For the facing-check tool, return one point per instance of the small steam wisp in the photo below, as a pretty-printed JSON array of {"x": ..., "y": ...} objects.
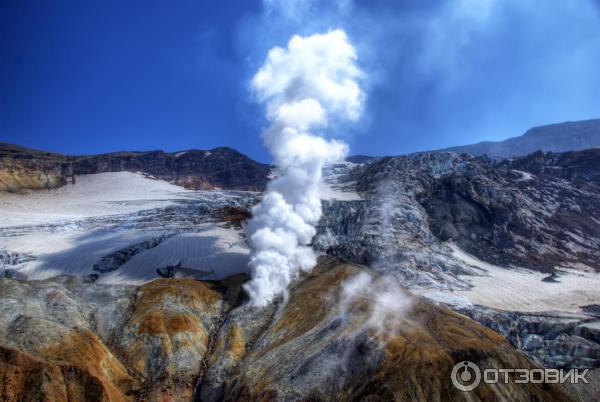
[
  {"x": 387, "y": 302},
  {"x": 305, "y": 87}
]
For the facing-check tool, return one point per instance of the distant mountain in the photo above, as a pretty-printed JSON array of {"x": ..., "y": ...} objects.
[
  {"x": 23, "y": 168},
  {"x": 560, "y": 137}
]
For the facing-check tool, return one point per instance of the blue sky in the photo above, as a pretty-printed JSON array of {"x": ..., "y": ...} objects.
[{"x": 98, "y": 76}]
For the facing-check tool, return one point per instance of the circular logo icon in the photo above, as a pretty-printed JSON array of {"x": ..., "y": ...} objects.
[{"x": 466, "y": 376}]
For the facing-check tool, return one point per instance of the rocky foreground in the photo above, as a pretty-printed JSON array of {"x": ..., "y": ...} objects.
[{"x": 181, "y": 339}]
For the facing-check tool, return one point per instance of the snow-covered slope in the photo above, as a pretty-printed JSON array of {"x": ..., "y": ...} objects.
[
  {"x": 524, "y": 290},
  {"x": 211, "y": 253},
  {"x": 120, "y": 227},
  {"x": 91, "y": 195},
  {"x": 126, "y": 227},
  {"x": 71, "y": 251}
]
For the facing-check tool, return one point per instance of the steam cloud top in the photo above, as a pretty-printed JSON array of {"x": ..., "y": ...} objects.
[{"x": 305, "y": 87}]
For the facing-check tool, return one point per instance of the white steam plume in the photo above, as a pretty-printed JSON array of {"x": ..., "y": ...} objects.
[{"x": 305, "y": 87}]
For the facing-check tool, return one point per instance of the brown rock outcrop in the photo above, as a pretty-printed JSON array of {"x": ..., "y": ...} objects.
[
  {"x": 167, "y": 335},
  {"x": 23, "y": 168}
]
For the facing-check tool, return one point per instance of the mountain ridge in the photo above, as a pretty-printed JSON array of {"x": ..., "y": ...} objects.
[
  {"x": 557, "y": 137},
  {"x": 23, "y": 168}
]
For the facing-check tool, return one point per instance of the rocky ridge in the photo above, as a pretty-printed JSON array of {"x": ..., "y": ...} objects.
[
  {"x": 221, "y": 167},
  {"x": 23, "y": 168}
]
